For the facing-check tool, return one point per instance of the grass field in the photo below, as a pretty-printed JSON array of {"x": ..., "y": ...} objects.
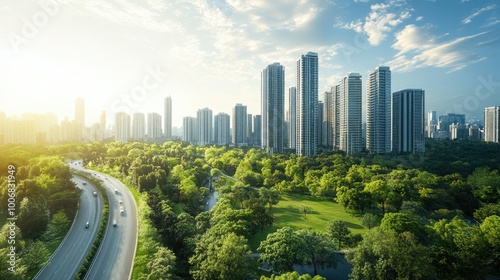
[{"x": 286, "y": 213}]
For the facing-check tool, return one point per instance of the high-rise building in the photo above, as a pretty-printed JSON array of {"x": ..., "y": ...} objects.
[
  {"x": 321, "y": 134},
  {"x": 408, "y": 121},
  {"x": 249, "y": 130},
  {"x": 154, "y": 127},
  {"x": 257, "y": 130},
  {"x": 459, "y": 131},
  {"x": 292, "y": 111},
  {"x": 350, "y": 106},
  {"x": 334, "y": 116},
  {"x": 239, "y": 125},
  {"x": 222, "y": 129},
  {"x": 189, "y": 131},
  {"x": 327, "y": 119},
  {"x": 307, "y": 105},
  {"x": 167, "y": 118},
  {"x": 378, "y": 110},
  {"x": 273, "y": 107},
  {"x": 431, "y": 123},
  {"x": 138, "y": 126},
  {"x": 80, "y": 112},
  {"x": 492, "y": 124},
  {"x": 204, "y": 121},
  {"x": 122, "y": 127}
]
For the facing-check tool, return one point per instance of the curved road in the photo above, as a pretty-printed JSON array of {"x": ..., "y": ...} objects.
[
  {"x": 69, "y": 256},
  {"x": 115, "y": 257}
]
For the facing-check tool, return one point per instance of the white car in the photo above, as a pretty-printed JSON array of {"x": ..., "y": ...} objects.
[
  {"x": 121, "y": 209},
  {"x": 87, "y": 224},
  {"x": 94, "y": 193},
  {"x": 116, "y": 191}
]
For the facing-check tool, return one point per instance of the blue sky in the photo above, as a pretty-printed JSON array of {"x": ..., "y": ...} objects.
[{"x": 130, "y": 54}]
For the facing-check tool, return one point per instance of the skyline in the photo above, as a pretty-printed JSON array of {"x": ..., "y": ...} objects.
[{"x": 107, "y": 52}]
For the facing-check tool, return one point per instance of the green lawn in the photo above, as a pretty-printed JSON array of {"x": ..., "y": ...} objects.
[{"x": 286, "y": 213}]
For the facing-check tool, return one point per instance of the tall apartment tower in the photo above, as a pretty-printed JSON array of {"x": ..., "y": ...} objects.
[
  {"x": 222, "y": 135},
  {"x": 273, "y": 107},
  {"x": 154, "y": 126},
  {"x": 378, "y": 111},
  {"x": 122, "y": 127},
  {"x": 80, "y": 112},
  {"x": 249, "y": 129},
  {"x": 239, "y": 125},
  {"x": 167, "y": 118},
  {"x": 205, "y": 128},
  {"x": 189, "y": 131},
  {"x": 334, "y": 115},
  {"x": 492, "y": 124},
  {"x": 138, "y": 126},
  {"x": 307, "y": 105},
  {"x": 408, "y": 124},
  {"x": 350, "y": 100},
  {"x": 292, "y": 111},
  {"x": 257, "y": 130},
  {"x": 432, "y": 123}
]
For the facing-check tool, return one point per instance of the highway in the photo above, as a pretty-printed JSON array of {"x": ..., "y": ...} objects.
[
  {"x": 115, "y": 257},
  {"x": 67, "y": 259}
]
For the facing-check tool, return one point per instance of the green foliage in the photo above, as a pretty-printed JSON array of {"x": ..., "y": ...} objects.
[
  {"x": 318, "y": 250},
  {"x": 282, "y": 249},
  {"x": 390, "y": 255},
  {"x": 370, "y": 220},
  {"x": 162, "y": 265},
  {"x": 292, "y": 276},
  {"x": 338, "y": 231},
  {"x": 487, "y": 210},
  {"x": 221, "y": 257},
  {"x": 400, "y": 222},
  {"x": 33, "y": 216}
]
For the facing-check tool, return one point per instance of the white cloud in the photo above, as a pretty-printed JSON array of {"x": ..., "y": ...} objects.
[
  {"x": 383, "y": 17},
  {"x": 468, "y": 19},
  {"x": 418, "y": 48},
  {"x": 419, "y": 18}
]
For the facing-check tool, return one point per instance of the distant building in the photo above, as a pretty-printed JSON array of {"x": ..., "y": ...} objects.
[
  {"x": 154, "y": 127},
  {"x": 189, "y": 131},
  {"x": 122, "y": 127},
  {"x": 239, "y": 125},
  {"x": 408, "y": 111},
  {"x": 167, "y": 118},
  {"x": 459, "y": 131},
  {"x": 378, "y": 110},
  {"x": 350, "y": 107},
  {"x": 431, "y": 123},
  {"x": 273, "y": 107},
  {"x": 292, "y": 111},
  {"x": 307, "y": 105},
  {"x": 205, "y": 126},
  {"x": 492, "y": 124},
  {"x": 257, "y": 130},
  {"x": 138, "y": 126},
  {"x": 222, "y": 129},
  {"x": 474, "y": 132}
]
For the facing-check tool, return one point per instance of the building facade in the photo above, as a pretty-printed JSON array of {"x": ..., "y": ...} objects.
[
  {"x": 204, "y": 121},
  {"x": 307, "y": 105},
  {"x": 122, "y": 127},
  {"x": 138, "y": 126},
  {"x": 492, "y": 124},
  {"x": 378, "y": 111},
  {"x": 273, "y": 107},
  {"x": 239, "y": 125},
  {"x": 408, "y": 124},
  {"x": 167, "y": 118},
  {"x": 350, "y": 111},
  {"x": 222, "y": 135},
  {"x": 154, "y": 127}
]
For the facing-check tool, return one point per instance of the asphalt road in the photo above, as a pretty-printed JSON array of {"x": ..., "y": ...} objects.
[
  {"x": 115, "y": 257},
  {"x": 67, "y": 259}
]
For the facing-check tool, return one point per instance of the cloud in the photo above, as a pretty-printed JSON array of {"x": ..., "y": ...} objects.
[
  {"x": 418, "y": 48},
  {"x": 383, "y": 17},
  {"x": 468, "y": 19}
]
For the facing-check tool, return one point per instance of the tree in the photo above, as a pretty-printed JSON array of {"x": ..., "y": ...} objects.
[
  {"x": 162, "y": 265},
  {"x": 57, "y": 227},
  {"x": 338, "y": 231},
  {"x": 319, "y": 251},
  {"x": 35, "y": 255},
  {"x": 487, "y": 210},
  {"x": 389, "y": 255},
  {"x": 269, "y": 196},
  {"x": 370, "y": 220},
  {"x": 33, "y": 216},
  {"x": 304, "y": 209},
  {"x": 292, "y": 276},
  {"x": 282, "y": 249},
  {"x": 221, "y": 257},
  {"x": 400, "y": 222},
  {"x": 379, "y": 191}
]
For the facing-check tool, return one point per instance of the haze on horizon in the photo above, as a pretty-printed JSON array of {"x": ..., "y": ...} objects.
[{"x": 211, "y": 53}]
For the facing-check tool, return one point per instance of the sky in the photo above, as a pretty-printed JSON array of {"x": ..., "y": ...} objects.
[{"x": 128, "y": 55}]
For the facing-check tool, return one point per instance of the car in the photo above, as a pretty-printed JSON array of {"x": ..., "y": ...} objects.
[
  {"x": 119, "y": 201},
  {"x": 84, "y": 183},
  {"x": 121, "y": 209},
  {"x": 116, "y": 191},
  {"x": 87, "y": 224},
  {"x": 114, "y": 223},
  {"x": 94, "y": 193}
]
